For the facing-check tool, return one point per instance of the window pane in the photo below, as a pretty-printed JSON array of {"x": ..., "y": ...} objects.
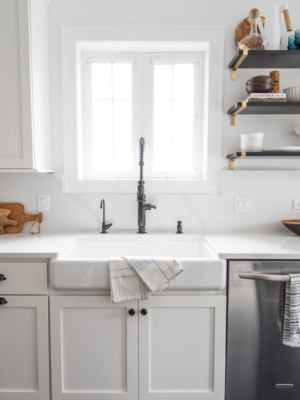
[
  {"x": 122, "y": 80},
  {"x": 183, "y": 81},
  {"x": 102, "y": 152},
  {"x": 122, "y": 117},
  {"x": 183, "y": 118},
  {"x": 163, "y": 82},
  {"x": 163, "y": 118},
  {"x": 183, "y": 153},
  {"x": 102, "y": 117},
  {"x": 101, "y": 81},
  {"x": 122, "y": 152},
  {"x": 162, "y": 153}
]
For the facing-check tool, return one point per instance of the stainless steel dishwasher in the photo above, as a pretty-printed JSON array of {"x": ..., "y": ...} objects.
[{"x": 259, "y": 366}]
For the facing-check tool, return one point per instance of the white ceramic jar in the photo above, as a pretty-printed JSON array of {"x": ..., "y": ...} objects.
[{"x": 252, "y": 141}]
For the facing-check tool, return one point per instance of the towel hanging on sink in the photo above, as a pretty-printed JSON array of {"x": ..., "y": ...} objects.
[
  {"x": 291, "y": 316},
  {"x": 135, "y": 278}
]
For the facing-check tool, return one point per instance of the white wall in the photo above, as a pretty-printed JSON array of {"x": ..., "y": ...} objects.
[{"x": 272, "y": 191}]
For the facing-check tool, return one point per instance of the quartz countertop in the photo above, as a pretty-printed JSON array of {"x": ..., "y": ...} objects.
[
  {"x": 255, "y": 246},
  {"x": 25, "y": 245},
  {"x": 227, "y": 246}
]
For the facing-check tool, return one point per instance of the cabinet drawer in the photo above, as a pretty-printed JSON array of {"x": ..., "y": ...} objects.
[{"x": 23, "y": 278}]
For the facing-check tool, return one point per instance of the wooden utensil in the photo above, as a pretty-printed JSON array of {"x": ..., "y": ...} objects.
[
  {"x": 17, "y": 214},
  {"x": 275, "y": 75},
  {"x": 4, "y": 221}
]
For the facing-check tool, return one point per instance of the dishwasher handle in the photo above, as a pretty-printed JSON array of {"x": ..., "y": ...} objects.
[{"x": 265, "y": 277}]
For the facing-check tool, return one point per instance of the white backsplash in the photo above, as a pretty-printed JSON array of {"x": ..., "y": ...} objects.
[{"x": 271, "y": 191}]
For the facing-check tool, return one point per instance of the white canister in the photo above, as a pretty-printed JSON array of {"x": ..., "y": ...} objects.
[{"x": 252, "y": 141}]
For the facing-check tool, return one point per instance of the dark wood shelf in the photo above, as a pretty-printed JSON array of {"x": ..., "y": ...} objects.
[
  {"x": 264, "y": 59},
  {"x": 262, "y": 154},
  {"x": 261, "y": 108}
]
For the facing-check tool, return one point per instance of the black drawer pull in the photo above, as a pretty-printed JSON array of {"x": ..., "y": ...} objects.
[
  {"x": 2, "y": 277},
  {"x": 2, "y": 301},
  {"x": 131, "y": 312},
  {"x": 144, "y": 311}
]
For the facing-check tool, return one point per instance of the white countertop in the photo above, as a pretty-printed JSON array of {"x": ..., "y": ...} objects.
[
  {"x": 256, "y": 246},
  {"x": 251, "y": 246},
  {"x": 25, "y": 245}
]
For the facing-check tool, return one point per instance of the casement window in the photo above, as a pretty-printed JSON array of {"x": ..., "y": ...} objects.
[
  {"x": 155, "y": 95},
  {"x": 121, "y": 84}
]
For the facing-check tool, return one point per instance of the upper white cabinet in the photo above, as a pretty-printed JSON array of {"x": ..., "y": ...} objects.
[{"x": 25, "y": 89}]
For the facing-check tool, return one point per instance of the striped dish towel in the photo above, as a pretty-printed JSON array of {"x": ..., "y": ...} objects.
[
  {"x": 135, "y": 278},
  {"x": 291, "y": 317}
]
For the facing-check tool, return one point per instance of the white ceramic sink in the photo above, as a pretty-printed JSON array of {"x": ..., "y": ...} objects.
[{"x": 84, "y": 266}]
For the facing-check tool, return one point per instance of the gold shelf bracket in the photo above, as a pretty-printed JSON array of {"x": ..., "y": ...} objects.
[
  {"x": 232, "y": 160},
  {"x": 233, "y": 72},
  {"x": 243, "y": 106}
]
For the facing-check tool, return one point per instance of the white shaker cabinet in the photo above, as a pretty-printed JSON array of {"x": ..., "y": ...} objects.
[
  {"x": 24, "y": 338},
  {"x": 94, "y": 348},
  {"x": 95, "y": 344},
  {"x": 25, "y": 89},
  {"x": 24, "y": 348},
  {"x": 182, "y": 348}
]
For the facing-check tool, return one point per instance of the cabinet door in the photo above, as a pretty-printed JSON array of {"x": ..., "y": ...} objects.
[
  {"x": 16, "y": 149},
  {"x": 24, "y": 348},
  {"x": 94, "y": 348},
  {"x": 182, "y": 348}
]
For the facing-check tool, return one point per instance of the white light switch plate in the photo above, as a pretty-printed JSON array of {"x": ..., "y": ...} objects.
[
  {"x": 44, "y": 202},
  {"x": 243, "y": 205},
  {"x": 296, "y": 204}
]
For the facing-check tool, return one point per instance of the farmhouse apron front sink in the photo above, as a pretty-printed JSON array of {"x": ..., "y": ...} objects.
[{"x": 84, "y": 266}]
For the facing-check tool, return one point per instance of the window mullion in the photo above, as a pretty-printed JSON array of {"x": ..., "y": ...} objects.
[
  {"x": 172, "y": 166},
  {"x": 147, "y": 109},
  {"x": 112, "y": 116}
]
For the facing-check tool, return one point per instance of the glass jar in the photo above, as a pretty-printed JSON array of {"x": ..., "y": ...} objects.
[{"x": 254, "y": 41}]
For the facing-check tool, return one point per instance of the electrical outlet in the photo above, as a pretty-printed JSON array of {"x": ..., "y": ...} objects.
[
  {"x": 243, "y": 205},
  {"x": 296, "y": 204},
  {"x": 44, "y": 202}
]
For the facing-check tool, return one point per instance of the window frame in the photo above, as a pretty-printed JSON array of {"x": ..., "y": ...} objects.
[
  {"x": 143, "y": 65},
  {"x": 210, "y": 40}
]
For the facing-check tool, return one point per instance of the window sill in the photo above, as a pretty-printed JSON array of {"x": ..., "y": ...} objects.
[{"x": 129, "y": 186}]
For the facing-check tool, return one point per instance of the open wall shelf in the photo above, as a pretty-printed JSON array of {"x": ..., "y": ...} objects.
[
  {"x": 264, "y": 59},
  {"x": 262, "y": 154},
  {"x": 244, "y": 107}
]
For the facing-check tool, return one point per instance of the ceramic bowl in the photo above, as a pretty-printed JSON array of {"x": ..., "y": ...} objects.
[
  {"x": 293, "y": 225},
  {"x": 297, "y": 130},
  {"x": 292, "y": 93}
]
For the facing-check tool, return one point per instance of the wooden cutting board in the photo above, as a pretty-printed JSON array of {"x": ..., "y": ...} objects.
[{"x": 17, "y": 214}]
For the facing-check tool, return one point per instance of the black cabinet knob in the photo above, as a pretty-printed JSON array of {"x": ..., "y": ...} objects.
[
  {"x": 131, "y": 311},
  {"x": 2, "y": 301},
  {"x": 144, "y": 311},
  {"x": 2, "y": 277}
]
